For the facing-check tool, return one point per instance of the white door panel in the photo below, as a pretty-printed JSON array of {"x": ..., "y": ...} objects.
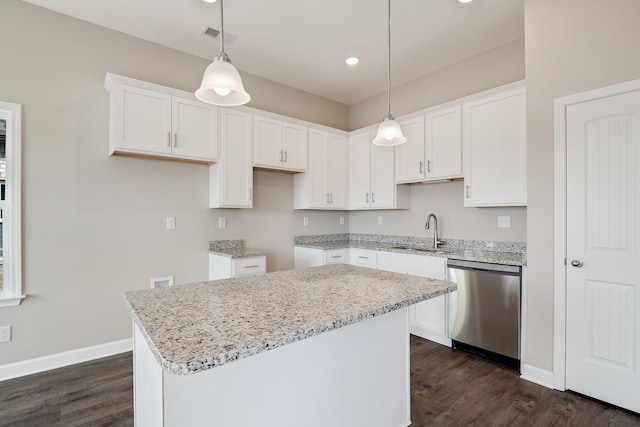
[{"x": 603, "y": 233}]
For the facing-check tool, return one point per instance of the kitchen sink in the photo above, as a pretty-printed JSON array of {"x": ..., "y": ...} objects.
[{"x": 430, "y": 250}]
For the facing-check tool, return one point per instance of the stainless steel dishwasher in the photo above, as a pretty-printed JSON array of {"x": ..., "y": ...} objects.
[{"x": 484, "y": 312}]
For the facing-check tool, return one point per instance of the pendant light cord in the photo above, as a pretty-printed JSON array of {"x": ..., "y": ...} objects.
[
  {"x": 222, "y": 27},
  {"x": 388, "y": 58}
]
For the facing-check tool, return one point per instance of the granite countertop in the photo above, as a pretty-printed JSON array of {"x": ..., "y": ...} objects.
[
  {"x": 233, "y": 249},
  {"x": 191, "y": 328},
  {"x": 463, "y": 250}
]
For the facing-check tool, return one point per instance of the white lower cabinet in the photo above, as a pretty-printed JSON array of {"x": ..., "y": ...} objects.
[
  {"x": 309, "y": 257},
  {"x": 427, "y": 319},
  {"x": 363, "y": 257},
  {"x": 222, "y": 267}
]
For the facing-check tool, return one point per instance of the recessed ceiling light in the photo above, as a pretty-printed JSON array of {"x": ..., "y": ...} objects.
[{"x": 352, "y": 60}]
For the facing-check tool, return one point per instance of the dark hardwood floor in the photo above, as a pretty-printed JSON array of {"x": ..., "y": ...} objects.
[{"x": 448, "y": 388}]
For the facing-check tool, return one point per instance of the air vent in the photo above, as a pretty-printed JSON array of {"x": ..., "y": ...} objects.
[{"x": 229, "y": 38}]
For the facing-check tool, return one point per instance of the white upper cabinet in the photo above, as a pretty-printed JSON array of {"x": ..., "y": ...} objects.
[
  {"x": 410, "y": 156},
  {"x": 231, "y": 179},
  {"x": 495, "y": 149},
  {"x": 152, "y": 120},
  {"x": 443, "y": 143},
  {"x": 324, "y": 185},
  {"x": 280, "y": 145},
  {"x": 371, "y": 174}
]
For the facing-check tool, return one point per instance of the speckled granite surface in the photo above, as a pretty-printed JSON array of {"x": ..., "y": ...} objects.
[
  {"x": 233, "y": 249},
  {"x": 191, "y": 328},
  {"x": 509, "y": 253}
]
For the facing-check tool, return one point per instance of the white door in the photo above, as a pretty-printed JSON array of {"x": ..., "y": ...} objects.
[{"x": 603, "y": 253}]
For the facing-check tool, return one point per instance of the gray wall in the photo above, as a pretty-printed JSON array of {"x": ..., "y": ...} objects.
[
  {"x": 571, "y": 47},
  {"x": 93, "y": 224}
]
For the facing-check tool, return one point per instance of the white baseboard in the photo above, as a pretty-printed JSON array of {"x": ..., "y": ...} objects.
[
  {"x": 59, "y": 360},
  {"x": 537, "y": 375}
]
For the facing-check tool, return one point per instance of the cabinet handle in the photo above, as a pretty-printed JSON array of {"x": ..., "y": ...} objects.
[
  {"x": 330, "y": 197},
  {"x": 175, "y": 140},
  {"x": 251, "y": 266},
  {"x": 373, "y": 197},
  {"x": 280, "y": 155},
  {"x": 466, "y": 191},
  {"x": 169, "y": 139},
  {"x": 428, "y": 165},
  {"x": 363, "y": 257},
  {"x": 326, "y": 198},
  {"x": 336, "y": 256},
  {"x": 367, "y": 198},
  {"x": 285, "y": 156},
  {"x": 421, "y": 164}
]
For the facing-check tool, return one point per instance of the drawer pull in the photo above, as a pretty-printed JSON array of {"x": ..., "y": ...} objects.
[
  {"x": 363, "y": 257},
  {"x": 251, "y": 266},
  {"x": 337, "y": 256}
]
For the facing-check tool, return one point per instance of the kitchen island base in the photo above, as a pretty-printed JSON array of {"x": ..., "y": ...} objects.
[{"x": 354, "y": 375}]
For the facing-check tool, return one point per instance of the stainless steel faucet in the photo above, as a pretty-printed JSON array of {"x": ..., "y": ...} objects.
[{"x": 436, "y": 242}]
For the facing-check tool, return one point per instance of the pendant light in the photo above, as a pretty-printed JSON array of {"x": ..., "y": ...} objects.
[
  {"x": 221, "y": 82},
  {"x": 389, "y": 132}
]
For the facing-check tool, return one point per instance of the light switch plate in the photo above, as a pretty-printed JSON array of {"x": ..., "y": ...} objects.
[
  {"x": 504, "y": 222},
  {"x": 5, "y": 333},
  {"x": 341, "y": 220},
  {"x": 171, "y": 223},
  {"x": 305, "y": 220},
  {"x": 379, "y": 220},
  {"x": 222, "y": 222}
]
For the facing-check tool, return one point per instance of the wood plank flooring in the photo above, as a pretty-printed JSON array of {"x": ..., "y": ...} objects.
[{"x": 448, "y": 388}]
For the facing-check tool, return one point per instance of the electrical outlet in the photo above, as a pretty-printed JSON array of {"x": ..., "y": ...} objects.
[
  {"x": 341, "y": 220},
  {"x": 305, "y": 220},
  {"x": 379, "y": 220},
  {"x": 504, "y": 222},
  {"x": 5, "y": 333},
  {"x": 171, "y": 223},
  {"x": 222, "y": 222}
]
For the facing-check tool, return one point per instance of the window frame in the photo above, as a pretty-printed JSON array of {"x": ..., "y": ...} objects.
[{"x": 11, "y": 293}]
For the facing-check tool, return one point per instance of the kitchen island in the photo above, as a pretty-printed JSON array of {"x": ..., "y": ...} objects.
[{"x": 316, "y": 347}]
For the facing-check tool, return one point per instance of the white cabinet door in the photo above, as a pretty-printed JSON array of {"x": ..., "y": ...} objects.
[
  {"x": 280, "y": 145},
  {"x": 443, "y": 143},
  {"x": 383, "y": 184},
  {"x": 372, "y": 183},
  {"x": 267, "y": 150},
  {"x": 337, "y": 171},
  {"x": 324, "y": 185},
  {"x": 195, "y": 126},
  {"x": 360, "y": 171},
  {"x": 295, "y": 141},
  {"x": 231, "y": 179},
  {"x": 141, "y": 121},
  {"x": 153, "y": 120},
  {"x": 427, "y": 319},
  {"x": 410, "y": 165},
  {"x": 495, "y": 157}
]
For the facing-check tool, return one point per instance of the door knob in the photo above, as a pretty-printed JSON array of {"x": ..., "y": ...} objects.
[{"x": 577, "y": 262}]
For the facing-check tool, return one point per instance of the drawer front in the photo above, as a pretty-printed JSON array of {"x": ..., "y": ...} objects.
[
  {"x": 363, "y": 257},
  {"x": 335, "y": 256},
  {"x": 247, "y": 266}
]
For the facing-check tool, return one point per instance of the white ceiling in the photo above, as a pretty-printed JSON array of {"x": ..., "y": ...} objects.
[{"x": 303, "y": 43}]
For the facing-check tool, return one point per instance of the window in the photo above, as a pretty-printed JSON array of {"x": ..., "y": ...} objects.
[{"x": 10, "y": 203}]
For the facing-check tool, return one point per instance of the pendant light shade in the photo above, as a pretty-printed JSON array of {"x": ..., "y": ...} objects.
[
  {"x": 389, "y": 131},
  {"x": 221, "y": 82}
]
